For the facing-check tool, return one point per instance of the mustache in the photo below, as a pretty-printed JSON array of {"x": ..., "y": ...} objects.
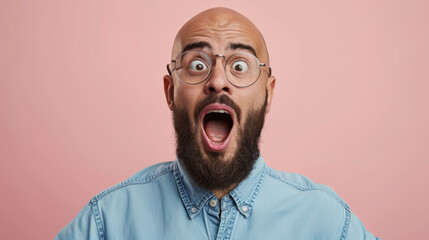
[{"x": 223, "y": 99}]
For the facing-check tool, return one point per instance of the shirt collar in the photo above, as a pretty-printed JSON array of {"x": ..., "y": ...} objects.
[{"x": 244, "y": 195}]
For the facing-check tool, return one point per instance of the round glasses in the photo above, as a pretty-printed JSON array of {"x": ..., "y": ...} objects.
[{"x": 193, "y": 67}]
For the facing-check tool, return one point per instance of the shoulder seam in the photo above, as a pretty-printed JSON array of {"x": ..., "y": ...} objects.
[
  {"x": 346, "y": 208},
  {"x": 346, "y": 225},
  {"x": 98, "y": 219},
  {"x": 130, "y": 181},
  {"x": 272, "y": 174}
]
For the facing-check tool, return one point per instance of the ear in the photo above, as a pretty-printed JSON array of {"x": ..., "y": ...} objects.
[
  {"x": 271, "y": 83},
  {"x": 169, "y": 91}
]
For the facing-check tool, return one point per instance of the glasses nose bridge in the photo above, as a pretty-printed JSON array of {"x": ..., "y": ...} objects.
[{"x": 214, "y": 60}]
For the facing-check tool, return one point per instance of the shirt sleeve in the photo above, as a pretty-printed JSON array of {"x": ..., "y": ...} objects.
[
  {"x": 83, "y": 227},
  {"x": 357, "y": 231}
]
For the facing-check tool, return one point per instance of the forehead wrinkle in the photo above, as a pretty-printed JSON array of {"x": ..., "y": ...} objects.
[
  {"x": 232, "y": 37},
  {"x": 221, "y": 25}
]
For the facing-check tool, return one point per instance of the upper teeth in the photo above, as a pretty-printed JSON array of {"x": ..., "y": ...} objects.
[{"x": 218, "y": 111}]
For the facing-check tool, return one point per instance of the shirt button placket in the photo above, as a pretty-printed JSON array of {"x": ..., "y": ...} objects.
[{"x": 213, "y": 203}]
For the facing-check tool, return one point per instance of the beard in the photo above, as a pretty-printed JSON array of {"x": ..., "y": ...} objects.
[{"x": 216, "y": 171}]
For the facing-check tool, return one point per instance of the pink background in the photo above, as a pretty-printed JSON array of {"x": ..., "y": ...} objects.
[{"x": 82, "y": 106}]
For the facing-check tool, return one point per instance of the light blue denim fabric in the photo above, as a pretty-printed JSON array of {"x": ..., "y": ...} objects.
[{"x": 161, "y": 202}]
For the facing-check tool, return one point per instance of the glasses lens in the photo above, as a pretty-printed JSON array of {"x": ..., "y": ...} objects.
[
  {"x": 192, "y": 66},
  {"x": 243, "y": 69}
]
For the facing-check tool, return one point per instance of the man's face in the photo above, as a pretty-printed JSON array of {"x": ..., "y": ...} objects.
[{"x": 218, "y": 135}]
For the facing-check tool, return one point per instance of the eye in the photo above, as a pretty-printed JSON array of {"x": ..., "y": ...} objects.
[
  {"x": 240, "y": 66},
  {"x": 197, "y": 65}
]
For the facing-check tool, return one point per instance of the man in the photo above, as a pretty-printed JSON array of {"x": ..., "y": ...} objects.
[{"x": 219, "y": 89}]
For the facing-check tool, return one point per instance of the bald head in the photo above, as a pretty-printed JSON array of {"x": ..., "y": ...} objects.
[{"x": 221, "y": 28}]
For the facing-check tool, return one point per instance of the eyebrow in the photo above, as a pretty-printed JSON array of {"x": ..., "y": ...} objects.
[
  {"x": 194, "y": 45},
  {"x": 231, "y": 46},
  {"x": 235, "y": 46}
]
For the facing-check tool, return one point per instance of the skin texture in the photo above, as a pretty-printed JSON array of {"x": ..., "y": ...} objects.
[{"x": 219, "y": 27}]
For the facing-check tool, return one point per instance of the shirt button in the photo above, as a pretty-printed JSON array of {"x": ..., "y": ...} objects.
[
  {"x": 193, "y": 210},
  {"x": 244, "y": 208},
  {"x": 213, "y": 203}
]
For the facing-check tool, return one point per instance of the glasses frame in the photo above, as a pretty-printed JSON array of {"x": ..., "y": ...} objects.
[{"x": 170, "y": 72}]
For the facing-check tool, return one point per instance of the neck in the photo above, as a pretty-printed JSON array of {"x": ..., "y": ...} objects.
[{"x": 220, "y": 193}]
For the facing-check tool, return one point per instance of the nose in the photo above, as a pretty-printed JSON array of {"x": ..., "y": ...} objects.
[{"x": 217, "y": 82}]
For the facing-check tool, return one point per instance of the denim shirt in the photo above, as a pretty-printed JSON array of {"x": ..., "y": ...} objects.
[{"x": 162, "y": 202}]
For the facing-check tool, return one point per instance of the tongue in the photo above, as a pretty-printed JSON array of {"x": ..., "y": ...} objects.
[{"x": 217, "y": 130}]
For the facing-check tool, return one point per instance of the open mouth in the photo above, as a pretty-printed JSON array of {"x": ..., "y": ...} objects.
[{"x": 217, "y": 122}]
